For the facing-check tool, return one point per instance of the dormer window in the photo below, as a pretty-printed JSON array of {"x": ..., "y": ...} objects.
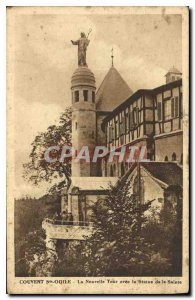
[
  {"x": 85, "y": 95},
  {"x": 76, "y": 96}
]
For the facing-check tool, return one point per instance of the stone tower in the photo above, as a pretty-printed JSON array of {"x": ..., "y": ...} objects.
[{"x": 83, "y": 119}]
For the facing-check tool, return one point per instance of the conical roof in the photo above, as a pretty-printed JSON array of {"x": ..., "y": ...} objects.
[{"x": 112, "y": 91}]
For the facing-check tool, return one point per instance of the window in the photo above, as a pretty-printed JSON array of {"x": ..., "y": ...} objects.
[
  {"x": 159, "y": 111},
  {"x": 174, "y": 156},
  {"x": 135, "y": 116},
  {"x": 175, "y": 107},
  {"x": 76, "y": 125},
  {"x": 167, "y": 109},
  {"x": 131, "y": 120},
  {"x": 166, "y": 158},
  {"x": 113, "y": 133},
  {"x": 117, "y": 129},
  {"x": 173, "y": 78},
  {"x": 85, "y": 95},
  {"x": 93, "y": 96},
  {"x": 181, "y": 99},
  {"x": 110, "y": 133},
  {"x": 172, "y": 107},
  {"x": 127, "y": 122},
  {"x": 76, "y": 96},
  {"x": 122, "y": 126}
]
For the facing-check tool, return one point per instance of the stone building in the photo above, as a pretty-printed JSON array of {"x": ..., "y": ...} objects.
[{"x": 114, "y": 116}]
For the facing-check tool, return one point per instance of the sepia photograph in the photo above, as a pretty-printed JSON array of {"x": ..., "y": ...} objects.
[{"x": 97, "y": 135}]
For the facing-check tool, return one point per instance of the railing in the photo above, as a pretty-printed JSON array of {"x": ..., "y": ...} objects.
[
  {"x": 72, "y": 223},
  {"x": 67, "y": 230}
]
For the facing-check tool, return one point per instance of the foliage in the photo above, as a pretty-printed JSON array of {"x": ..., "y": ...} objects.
[
  {"x": 31, "y": 256},
  {"x": 165, "y": 231},
  {"x": 125, "y": 243},
  {"x": 117, "y": 247},
  {"x": 38, "y": 169},
  {"x": 69, "y": 262},
  {"x": 30, "y": 249}
]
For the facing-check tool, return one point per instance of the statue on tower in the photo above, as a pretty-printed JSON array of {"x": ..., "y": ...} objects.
[{"x": 82, "y": 43}]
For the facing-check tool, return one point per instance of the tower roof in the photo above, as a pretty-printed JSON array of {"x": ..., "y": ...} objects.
[
  {"x": 112, "y": 91},
  {"x": 173, "y": 70},
  {"x": 83, "y": 76}
]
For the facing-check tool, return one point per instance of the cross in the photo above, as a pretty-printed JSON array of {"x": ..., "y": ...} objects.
[{"x": 112, "y": 56}]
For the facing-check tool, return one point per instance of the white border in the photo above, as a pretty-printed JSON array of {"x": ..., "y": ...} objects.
[{"x": 3, "y": 4}]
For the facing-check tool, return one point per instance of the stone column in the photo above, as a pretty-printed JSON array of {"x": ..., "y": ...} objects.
[{"x": 75, "y": 203}]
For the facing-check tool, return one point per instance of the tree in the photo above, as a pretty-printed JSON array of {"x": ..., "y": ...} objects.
[
  {"x": 164, "y": 229},
  {"x": 31, "y": 254},
  {"x": 37, "y": 260},
  {"x": 117, "y": 246},
  {"x": 38, "y": 169}
]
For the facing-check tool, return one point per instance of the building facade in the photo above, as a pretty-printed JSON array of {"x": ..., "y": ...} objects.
[
  {"x": 114, "y": 116},
  {"x": 150, "y": 118}
]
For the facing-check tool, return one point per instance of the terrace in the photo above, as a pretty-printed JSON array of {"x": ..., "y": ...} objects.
[{"x": 67, "y": 230}]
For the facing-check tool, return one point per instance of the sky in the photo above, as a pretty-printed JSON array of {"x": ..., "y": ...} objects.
[{"x": 145, "y": 47}]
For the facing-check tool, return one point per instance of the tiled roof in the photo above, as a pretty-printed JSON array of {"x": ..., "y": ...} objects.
[
  {"x": 112, "y": 91},
  {"x": 168, "y": 172}
]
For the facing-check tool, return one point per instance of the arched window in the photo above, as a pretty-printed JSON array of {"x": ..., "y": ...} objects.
[
  {"x": 174, "y": 157},
  {"x": 181, "y": 159},
  {"x": 166, "y": 158}
]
